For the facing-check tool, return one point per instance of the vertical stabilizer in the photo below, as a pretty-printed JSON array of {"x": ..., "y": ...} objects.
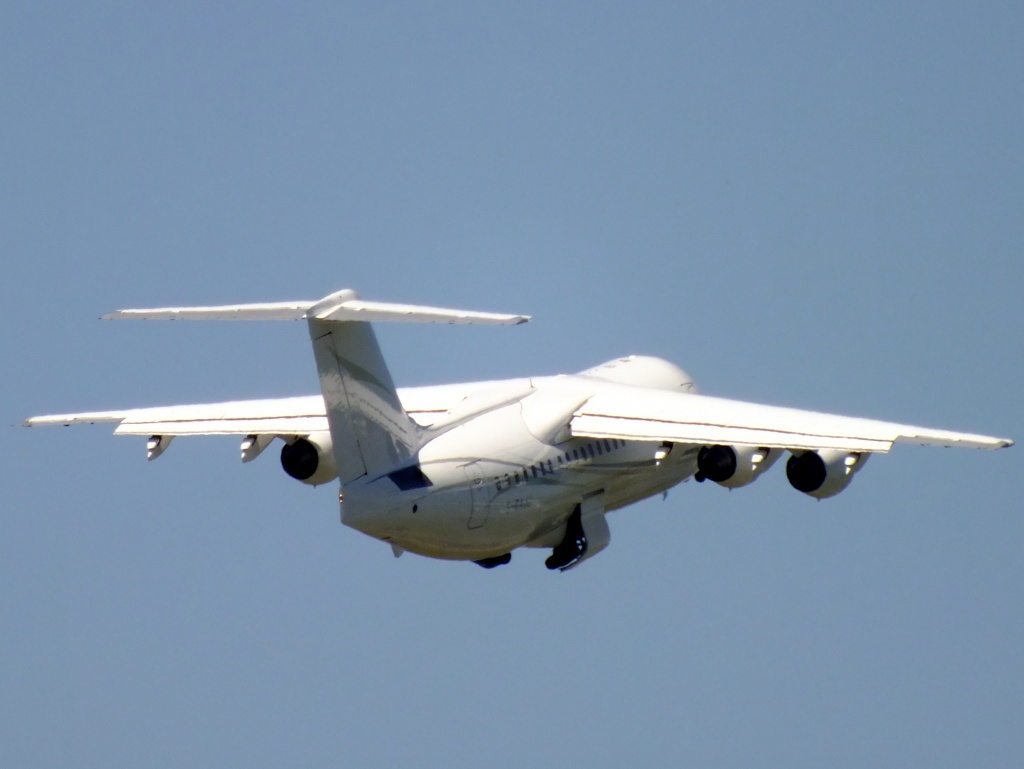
[{"x": 369, "y": 428}]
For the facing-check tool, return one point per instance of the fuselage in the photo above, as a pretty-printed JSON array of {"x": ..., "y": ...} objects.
[{"x": 499, "y": 468}]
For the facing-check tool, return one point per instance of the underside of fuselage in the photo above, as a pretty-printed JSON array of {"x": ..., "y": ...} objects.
[
  {"x": 500, "y": 469},
  {"x": 487, "y": 507}
]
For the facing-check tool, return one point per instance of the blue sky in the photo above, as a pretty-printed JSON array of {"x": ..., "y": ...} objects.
[{"x": 807, "y": 204}]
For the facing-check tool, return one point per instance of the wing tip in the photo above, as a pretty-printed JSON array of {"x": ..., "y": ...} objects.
[{"x": 43, "y": 422}]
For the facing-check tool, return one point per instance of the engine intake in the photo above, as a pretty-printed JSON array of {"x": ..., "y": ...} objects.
[
  {"x": 733, "y": 466},
  {"x": 823, "y": 473},
  {"x": 310, "y": 459},
  {"x": 715, "y": 463}
]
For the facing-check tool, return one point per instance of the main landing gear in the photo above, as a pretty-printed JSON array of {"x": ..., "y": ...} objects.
[
  {"x": 573, "y": 547},
  {"x": 586, "y": 535},
  {"x": 497, "y": 560}
]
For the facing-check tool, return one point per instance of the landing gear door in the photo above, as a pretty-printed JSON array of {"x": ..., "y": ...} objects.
[{"x": 481, "y": 493}]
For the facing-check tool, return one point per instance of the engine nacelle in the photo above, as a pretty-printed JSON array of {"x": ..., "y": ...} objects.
[
  {"x": 823, "y": 473},
  {"x": 310, "y": 459},
  {"x": 734, "y": 466}
]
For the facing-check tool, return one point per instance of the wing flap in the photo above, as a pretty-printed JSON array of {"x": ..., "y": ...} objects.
[
  {"x": 700, "y": 419},
  {"x": 247, "y": 426},
  {"x": 592, "y": 426}
]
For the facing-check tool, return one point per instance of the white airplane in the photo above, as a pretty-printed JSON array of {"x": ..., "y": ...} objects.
[{"x": 473, "y": 471}]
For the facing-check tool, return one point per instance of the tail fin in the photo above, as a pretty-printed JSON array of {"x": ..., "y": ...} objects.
[{"x": 370, "y": 430}]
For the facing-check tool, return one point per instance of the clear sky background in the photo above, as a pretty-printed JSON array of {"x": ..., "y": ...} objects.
[{"x": 806, "y": 204}]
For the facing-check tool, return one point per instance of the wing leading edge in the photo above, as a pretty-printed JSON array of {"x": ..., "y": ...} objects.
[{"x": 705, "y": 420}]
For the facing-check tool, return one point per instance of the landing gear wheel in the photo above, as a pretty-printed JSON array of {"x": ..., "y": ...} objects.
[
  {"x": 572, "y": 547},
  {"x": 497, "y": 560}
]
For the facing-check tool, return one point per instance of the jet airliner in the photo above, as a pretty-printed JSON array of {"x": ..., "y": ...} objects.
[{"x": 473, "y": 471}]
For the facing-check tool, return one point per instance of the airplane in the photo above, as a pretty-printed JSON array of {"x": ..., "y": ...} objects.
[{"x": 473, "y": 471}]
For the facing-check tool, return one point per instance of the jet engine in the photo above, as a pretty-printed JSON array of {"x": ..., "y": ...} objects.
[
  {"x": 310, "y": 459},
  {"x": 733, "y": 466},
  {"x": 823, "y": 473}
]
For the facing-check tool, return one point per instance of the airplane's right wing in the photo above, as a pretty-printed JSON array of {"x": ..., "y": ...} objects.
[{"x": 704, "y": 420}]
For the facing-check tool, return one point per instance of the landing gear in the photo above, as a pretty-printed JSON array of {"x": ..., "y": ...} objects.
[
  {"x": 573, "y": 547},
  {"x": 497, "y": 560}
]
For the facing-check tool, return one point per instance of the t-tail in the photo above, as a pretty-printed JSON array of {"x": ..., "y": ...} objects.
[{"x": 370, "y": 431}]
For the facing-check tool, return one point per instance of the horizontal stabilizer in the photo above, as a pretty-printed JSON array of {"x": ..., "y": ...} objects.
[
  {"x": 267, "y": 311},
  {"x": 341, "y": 306}
]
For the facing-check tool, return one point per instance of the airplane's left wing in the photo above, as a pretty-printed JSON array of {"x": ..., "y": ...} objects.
[
  {"x": 260, "y": 421},
  {"x": 275, "y": 416},
  {"x": 704, "y": 420}
]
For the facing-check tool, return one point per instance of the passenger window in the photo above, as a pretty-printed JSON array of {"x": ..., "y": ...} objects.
[
  {"x": 607, "y": 447},
  {"x": 590, "y": 448}
]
